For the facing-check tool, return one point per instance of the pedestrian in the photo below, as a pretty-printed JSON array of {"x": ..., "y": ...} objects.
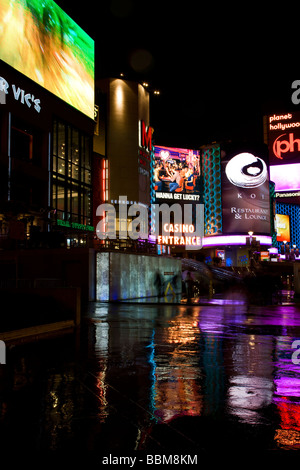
[
  {"x": 174, "y": 282},
  {"x": 189, "y": 286},
  {"x": 158, "y": 283}
]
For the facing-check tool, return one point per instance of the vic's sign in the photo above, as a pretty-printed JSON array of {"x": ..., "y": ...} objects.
[{"x": 19, "y": 95}]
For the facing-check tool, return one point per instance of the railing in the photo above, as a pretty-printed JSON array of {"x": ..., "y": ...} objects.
[
  {"x": 128, "y": 246},
  {"x": 210, "y": 271}
]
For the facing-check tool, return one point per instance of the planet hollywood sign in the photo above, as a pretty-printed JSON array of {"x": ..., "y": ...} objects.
[{"x": 284, "y": 137}]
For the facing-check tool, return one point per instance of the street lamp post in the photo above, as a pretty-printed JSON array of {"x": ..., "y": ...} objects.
[
  {"x": 284, "y": 250},
  {"x": 250, "y": 233}
]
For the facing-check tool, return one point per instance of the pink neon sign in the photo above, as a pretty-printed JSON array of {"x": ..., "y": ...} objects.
[{"x": 234, "y": 240}]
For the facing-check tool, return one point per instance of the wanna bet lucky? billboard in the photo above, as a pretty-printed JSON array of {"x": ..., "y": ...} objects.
[{"x": 176, "y": 175}]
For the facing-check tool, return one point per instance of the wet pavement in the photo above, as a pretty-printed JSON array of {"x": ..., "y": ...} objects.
[{"x": 157, "y": 379}]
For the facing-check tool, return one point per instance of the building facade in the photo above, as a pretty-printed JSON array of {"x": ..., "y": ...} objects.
[
  {"x": 45, "y": 165},
  {"x": 47, "y": 123},
  {"x": 122, "y": 152}
]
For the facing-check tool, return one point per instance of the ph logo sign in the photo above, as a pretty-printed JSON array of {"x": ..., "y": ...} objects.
[
  {"x": 282, "y": 145},
  {"x": 2, "y": 352},
  {"x": 284, "y": 137}
]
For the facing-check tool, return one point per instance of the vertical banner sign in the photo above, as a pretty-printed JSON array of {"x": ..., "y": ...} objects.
[
  {"x": 283, "y": 227},
  {"x": 144, "y": 161},
  {"x": 245, "y": 190}
]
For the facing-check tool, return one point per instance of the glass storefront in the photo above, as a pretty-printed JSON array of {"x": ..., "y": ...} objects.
[{"x": 71, "y": 176}]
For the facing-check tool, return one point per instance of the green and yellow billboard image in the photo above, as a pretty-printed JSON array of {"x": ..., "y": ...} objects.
[{"x": 41, "y": 41}]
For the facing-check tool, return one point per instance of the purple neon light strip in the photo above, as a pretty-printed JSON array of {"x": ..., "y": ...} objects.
[{"x": 234, "y": 240}]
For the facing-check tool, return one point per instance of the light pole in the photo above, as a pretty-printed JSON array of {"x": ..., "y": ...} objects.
[
  {"x": 285, "y": 250},
  {"x": 250, "y": 233}
]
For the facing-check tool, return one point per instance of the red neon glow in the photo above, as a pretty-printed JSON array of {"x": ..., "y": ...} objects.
[
  {"x": 289, "y": 414},
  {"x": 104, "y": 223},
  {"x": 173, "y": 240},
  {"x": 146, "y": 136},
  {"x": 185, "y": 228},
  {"x": 284, "y": 146},
  {"x": 280, "y": 117},
  {"x": 104, "y": 179}
]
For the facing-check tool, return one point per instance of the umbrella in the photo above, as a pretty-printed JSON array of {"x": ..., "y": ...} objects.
[{"x": 185, "y": 273}]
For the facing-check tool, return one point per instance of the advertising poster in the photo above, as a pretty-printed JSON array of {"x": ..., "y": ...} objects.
[
  {"x": 283, "y": 227},
  {"x": 42, "y": 42},
  {"x": 176, "y": 175},
  {"x": 245, "y": 190}
]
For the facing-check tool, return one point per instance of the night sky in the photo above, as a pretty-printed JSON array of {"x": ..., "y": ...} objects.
[{"x": 219, "y": 69}]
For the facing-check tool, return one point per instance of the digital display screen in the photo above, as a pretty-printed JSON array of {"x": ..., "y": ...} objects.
[
  {"x": 284, "y": 138},
  {"x": 176, "y": 174},
  {"x": 286, "y": 177},
  {"x": 245, "y": 190},
  {"x": 283, "y": 227},
  {"x": 41, "y": 41}
]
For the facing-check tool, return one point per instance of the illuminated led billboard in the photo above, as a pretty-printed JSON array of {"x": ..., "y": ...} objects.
[
  {"x": 283, "y": 227},
  {"x": 41, "y": 41},
  {"x": 284, "y": 138},
  {"x": 245, "y": 190},
  {"x": 176, "y": 174},
  {"x": 286, "y": 177}
]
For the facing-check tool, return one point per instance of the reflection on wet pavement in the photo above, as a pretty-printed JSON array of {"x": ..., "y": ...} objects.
[{"x": 156, "y": 378}]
